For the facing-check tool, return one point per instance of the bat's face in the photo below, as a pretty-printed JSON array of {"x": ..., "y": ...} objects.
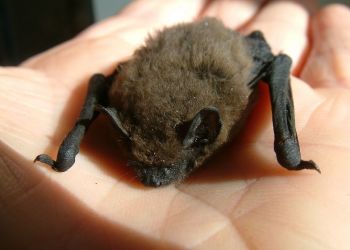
[
  {"x": 167, "y": 152},
  {"x": 169, "y": 120}
]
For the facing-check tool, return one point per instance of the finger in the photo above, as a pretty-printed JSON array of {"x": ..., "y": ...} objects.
[
  {"x": 232, "y": 13},
  {"x": 103, "y": 45},
  {"x": 149, "y": 15},
  {"x": 285, "y": 26},
  {"x": 28, "y": 106},
  {"x": 329, "y": 61}
]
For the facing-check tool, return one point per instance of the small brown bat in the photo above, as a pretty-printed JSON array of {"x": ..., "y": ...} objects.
[{"x": 185, "y": 94}]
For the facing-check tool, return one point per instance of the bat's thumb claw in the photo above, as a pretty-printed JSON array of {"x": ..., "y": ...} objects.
[
  {"x": 309, "y": 165},
  {"x": 45, "y": 159}
]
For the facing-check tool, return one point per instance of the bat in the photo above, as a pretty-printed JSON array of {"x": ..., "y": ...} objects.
[{"x": 182, "y": 96}]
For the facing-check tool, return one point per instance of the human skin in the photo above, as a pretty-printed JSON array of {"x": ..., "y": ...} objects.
[{"x": 241, "y": 199}]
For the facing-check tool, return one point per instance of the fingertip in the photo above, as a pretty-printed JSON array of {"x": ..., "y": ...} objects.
[
  {"x": 330, "y": 17},
  {"x": 285, "y": 27},
  {"x": 146, "y": 16},
  {"x": 233, "y": 13},
  {"x": 329, "y": 59},
  {"x": 333, "y": 11}
]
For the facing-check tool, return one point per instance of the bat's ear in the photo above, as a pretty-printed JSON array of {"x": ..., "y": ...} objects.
[
  {"x": 204, "y": 128},
  {"x": 112, "y": 114}
]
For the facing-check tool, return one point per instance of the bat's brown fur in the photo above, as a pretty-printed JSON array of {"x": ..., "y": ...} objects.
[{"x": 180, "y": 71}]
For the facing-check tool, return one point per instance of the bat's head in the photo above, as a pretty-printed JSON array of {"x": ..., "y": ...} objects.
[{"x": 164, "y": 151}]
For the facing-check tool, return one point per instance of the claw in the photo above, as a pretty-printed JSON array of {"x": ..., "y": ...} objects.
[
  {"x": 45, "y": 159},
  {"x": 309, "y": 165}
]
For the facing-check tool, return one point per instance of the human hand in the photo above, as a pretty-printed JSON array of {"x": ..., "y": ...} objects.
[{"x": 241, "y": 199}]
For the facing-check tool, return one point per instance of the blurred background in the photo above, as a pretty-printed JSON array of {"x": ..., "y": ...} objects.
[{"x": 30, "y": 27}]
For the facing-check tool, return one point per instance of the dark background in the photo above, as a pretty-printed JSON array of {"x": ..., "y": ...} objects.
[{"x": 30, "y": 27}]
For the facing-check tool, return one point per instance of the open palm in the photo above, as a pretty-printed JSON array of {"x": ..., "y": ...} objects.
[{"x": 241, "y": 199}]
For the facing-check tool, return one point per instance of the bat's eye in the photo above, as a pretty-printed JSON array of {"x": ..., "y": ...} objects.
[
  {"x": 159, "y": 135},
  {"x": 199, "y": 141}
]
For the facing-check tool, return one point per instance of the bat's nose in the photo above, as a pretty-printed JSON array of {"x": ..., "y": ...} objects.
[
  {"x": 151, "y": 180},
  {"x": 156, "y": 176}
]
